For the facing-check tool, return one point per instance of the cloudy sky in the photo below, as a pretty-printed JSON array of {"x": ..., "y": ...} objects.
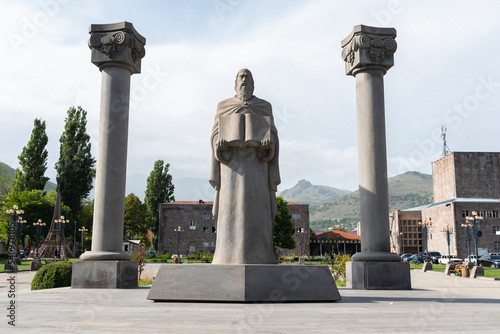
[{"x": 446, "y": 73}]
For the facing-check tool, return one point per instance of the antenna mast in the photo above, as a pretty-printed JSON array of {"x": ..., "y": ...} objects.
[{"x": 446, "y": 149}]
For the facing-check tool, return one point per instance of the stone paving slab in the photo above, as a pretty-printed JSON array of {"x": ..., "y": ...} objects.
[{"x": 438, "y": 303}]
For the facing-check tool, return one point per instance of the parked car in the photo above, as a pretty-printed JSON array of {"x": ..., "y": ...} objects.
[
  {"x": 405, "y": 255},
  {"x": 419, "y": 257},
  {"x": 444, "y": 259},
  {"x": 432, "y": 256},
  {"x": 471, "y": 258},
  {"x": 490, "y": 261}
]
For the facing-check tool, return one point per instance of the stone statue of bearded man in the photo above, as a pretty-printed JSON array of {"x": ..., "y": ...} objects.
[{"x": 245, "y": 175}]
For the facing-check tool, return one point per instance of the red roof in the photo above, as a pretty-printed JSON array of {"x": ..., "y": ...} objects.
[{"x": 337, "y": 235}]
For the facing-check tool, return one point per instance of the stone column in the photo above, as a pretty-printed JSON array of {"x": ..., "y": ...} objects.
[
  {"x": 368, "y": 53},
  {"x": 117, "y": 49}
]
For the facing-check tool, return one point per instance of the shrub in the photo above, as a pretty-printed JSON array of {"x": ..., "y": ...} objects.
[
  {"x": 4, "y": 256},
  {"x": 52, "y": 275},
  {"x": 415, "y": 260},
  {"x": 150, "y": 254},
  {"x": 337, "y": 266},
  {"x": 139, "y": 257},
  {"x": 208, "y": 258},
  {"x": 162, "y": 258}
]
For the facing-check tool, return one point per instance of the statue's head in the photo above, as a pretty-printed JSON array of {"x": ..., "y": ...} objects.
[{"x": 244, "y": 84}]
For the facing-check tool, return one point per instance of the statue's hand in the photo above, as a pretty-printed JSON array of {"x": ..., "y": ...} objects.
[
  {"x": 221, "y": 144},
  {"x": 266, "y": 143}
]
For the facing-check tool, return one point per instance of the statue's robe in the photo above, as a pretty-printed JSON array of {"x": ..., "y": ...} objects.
[{"x": 245, "y": 186}]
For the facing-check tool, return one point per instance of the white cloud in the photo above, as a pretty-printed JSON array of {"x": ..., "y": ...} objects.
[{"x": 293, "y": 49}]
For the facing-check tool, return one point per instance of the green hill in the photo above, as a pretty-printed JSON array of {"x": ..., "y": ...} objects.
[
  {"x": 305, "y": 192},
  {"x": 7, "y": 175},
  {"x": 406, "y": 190}
]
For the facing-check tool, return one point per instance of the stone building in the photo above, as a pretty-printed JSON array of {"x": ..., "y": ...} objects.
[
  {"x": 195, "y": 221},
  {"x": 463, "y": 182}
]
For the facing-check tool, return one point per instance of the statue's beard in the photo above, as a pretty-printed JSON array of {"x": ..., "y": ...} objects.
[{"x": 244, "y": 92}]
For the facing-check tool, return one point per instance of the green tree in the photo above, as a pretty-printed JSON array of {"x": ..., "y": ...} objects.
[
  {"x": 36, "y": 205},
  {"x": 75, "y": 168},
  {"x": 33, "y": 161},
  {"x": 136, "y": 218},
  {"x": 283, "y": 227},
  {"x": 159, "y": 190},
  {"x": 5, "y": 181}
]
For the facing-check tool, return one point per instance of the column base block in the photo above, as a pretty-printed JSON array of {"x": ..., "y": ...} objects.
[
  {"x": 378, "y": 275},
  {"x": 104, "y": 274},
  {"x": 243, "y": 283}
]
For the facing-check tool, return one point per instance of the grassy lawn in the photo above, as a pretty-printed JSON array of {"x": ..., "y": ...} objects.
[
  {"x": 488, "y": 272},
  {"x": 25, "y": 264}
]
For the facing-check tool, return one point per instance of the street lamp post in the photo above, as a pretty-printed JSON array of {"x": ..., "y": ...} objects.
[
  {"x": 15, "y": 212},
  {"x": 61, "y": 221},
  {"x": 474, "y": 220},
  {"x": 302, "y": 233},
  {"x": 178, "y": 229},
  {"x": 449, "y": 231},
  {"x": 74, "y": 242},
  {"x": 38, "y": 225},
  {"x": 19, "y": 227},
  {"x": 468, "y": 232},
  {"x": 425, "y": 229},
  {"x": 83, "y": 230}
]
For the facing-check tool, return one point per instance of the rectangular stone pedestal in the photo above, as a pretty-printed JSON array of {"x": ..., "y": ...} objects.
[
  {"x": 244, "y": 283},
  {"x": 104, "y": 274},
  {"x": 378, "y": 275}
]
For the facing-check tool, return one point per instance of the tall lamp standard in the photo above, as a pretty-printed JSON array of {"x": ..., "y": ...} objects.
[
  {"x": 468, "y": 226},
  {"x": 15, "y": 212},
  {"x": 449, "y": 231},
  {"x": 19, "y": 227},
  {"x": 302, "y": 233},
  {"x": 38, "y": 225},
  {"x": 474, "y": 220},
  {"x": 178, "y": 229},
  {"x": 61, "y": 221},
  {"x": 425, "y": 229},
  {"x": 83, "y": 230}
]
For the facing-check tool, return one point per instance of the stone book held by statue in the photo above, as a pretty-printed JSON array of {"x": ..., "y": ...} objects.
[{"x": 245, "y": 129}]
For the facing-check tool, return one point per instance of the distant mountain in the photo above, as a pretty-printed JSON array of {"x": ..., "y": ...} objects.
[
  {"x": 7, "y": 175},
  {"x": 305, "y": 192},
  {"x": 406, "y": 190}
]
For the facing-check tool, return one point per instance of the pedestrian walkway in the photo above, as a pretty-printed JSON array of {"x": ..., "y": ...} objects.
[{"x": 437, "y": 303}]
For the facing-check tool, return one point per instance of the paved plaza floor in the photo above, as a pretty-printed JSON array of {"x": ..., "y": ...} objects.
[{"x": 437, "y": 303}]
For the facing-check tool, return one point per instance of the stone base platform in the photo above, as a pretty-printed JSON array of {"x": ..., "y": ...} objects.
[
  {"x": 104, "y": 274},
  {"x": 243, "y": 283},
  {"x": 378, "y": 275}
]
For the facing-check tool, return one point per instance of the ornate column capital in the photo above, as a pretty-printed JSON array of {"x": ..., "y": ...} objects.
[
  {"x": 116, "y": 44},
  {"x": 369, "y": 48}
]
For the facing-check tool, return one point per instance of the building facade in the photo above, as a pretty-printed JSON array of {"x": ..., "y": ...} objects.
[
  {"x": 464, "y": 182},
  {"x": 188, "y": 227}
]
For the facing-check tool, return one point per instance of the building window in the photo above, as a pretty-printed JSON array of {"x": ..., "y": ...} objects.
[
  {"x": 213, "y": 229},
  {"x": 205, "y": 244},
  {"x": 465, "y": 213},
  {"x": 207, "y": 216},
  {"x": 192, "y": 225},
  {"x": 207, "y": 229},
  {"x": 296, "y": 216},
  {"x": 489, "y": 164},
  {"x": 491, "y": 214},
  {"x": 496, "y": 230},
  {"x": 497, "y": 245}
]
